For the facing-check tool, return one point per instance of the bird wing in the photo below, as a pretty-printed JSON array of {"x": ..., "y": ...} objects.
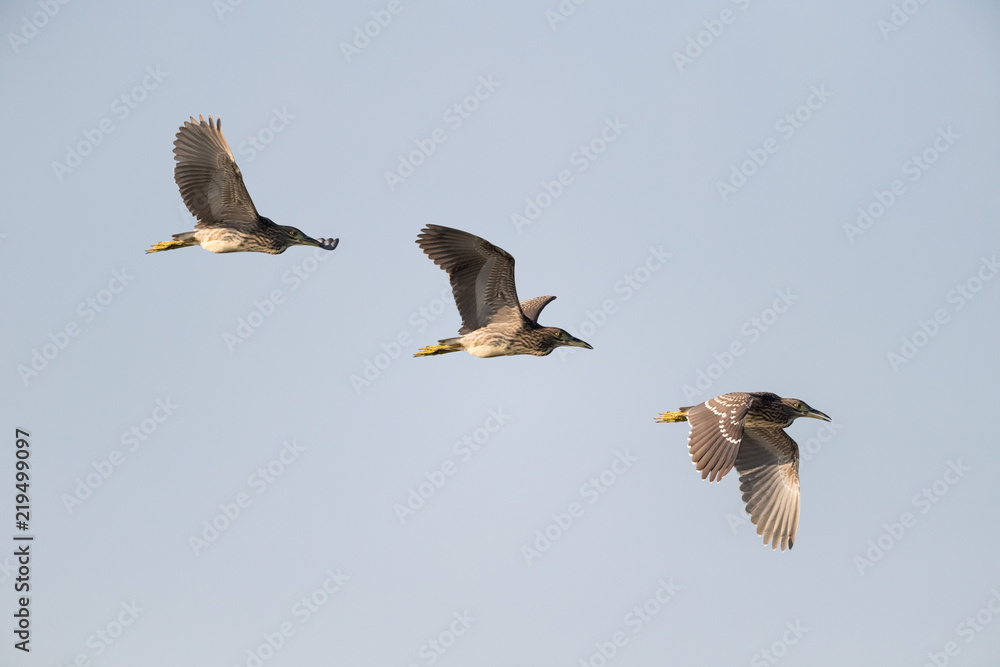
[
  {"x": 481, "y": 275},
  {"x": 209, "y": 180},
  {"x": 716, "y": 432},
  {"x": 768, "y": 463},
  {"x": 532, "y": 307}
]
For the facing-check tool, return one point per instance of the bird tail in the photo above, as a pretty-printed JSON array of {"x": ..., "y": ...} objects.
[
  {"x": 673, "y": 416},
  {"x": 447, "y": 345},
  {"x": 181, "y": 240}
]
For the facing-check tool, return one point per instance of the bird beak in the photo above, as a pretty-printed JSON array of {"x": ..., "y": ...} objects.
[
  {"x": 576, "y": 342},
  {"x": 816, "y": 414},
  {"x": 311, "y": 241}
]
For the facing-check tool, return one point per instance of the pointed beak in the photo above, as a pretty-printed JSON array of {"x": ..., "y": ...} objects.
[
  {"x": 816, "y": 414},
  {"x": 576, "y": 342}
]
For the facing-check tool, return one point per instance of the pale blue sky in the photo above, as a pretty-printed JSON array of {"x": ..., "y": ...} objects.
[{"x": 699, "y": 222}]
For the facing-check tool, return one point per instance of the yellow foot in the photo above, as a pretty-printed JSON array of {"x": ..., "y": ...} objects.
[
  {"x": 166, "y": 245},
  {"x": 672, "y": 417},
  {"x": 431, "y": 350}
]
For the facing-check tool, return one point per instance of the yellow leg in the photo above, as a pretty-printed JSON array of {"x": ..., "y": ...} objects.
[
  {"x": 168, "y": 245},
  {"x": 431, "y": 350},
  {"x": 672, "y": 417}
]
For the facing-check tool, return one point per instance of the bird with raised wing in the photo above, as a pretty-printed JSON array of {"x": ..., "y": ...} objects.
[
  {"x": 494, "y": 322},
  {"x": 212, "y": 188},
  {"x": 748, "y": 430}
]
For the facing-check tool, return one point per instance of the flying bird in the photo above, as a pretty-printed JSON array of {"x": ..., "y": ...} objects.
[
  {"x": 747, "y": 430},
  {"x": 212, "y": 188},
  {"x": 494, "y": 322}
]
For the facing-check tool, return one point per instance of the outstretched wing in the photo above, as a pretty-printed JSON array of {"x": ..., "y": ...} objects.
[
  {"x": 209, "y": 180},
  {"x": 768, "y": 463},
  {"x": 532, "y": 307},
  {"x": 481, "y": 275},
  {"x": 716, "y": 432}
]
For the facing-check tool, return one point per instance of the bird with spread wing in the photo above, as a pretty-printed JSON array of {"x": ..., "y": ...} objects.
[
  {"x": 212, "y": 188},
  {"x": 494, "y": 322},
  {"x": 747, "y": 430}
]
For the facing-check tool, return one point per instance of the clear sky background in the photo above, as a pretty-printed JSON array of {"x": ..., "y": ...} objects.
[{"x": 811, "y": 186}]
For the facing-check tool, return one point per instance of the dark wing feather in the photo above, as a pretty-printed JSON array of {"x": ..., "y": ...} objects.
[
  {"x": 481, "y": 274},
  {"x": 533, "y": 307},
  {"x": 768, "y": 463},
  {"x": 716, "y": 432},
  {"x": 209, "y": 180}
]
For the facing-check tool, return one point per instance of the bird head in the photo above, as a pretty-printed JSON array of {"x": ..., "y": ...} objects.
[
  {"x": 795, "y": 408},
  {"x": 565, "y": 338},
  {"x": 296, "y": 237}
]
